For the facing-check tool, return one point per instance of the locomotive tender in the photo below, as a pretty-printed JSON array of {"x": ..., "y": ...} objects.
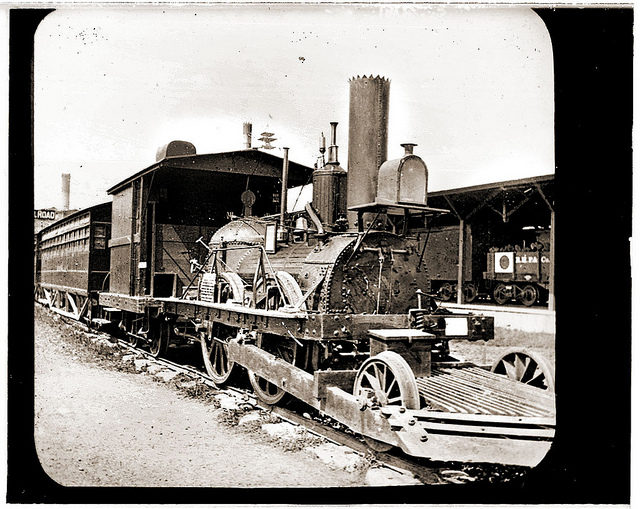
[{"x": 331, "y": 305}]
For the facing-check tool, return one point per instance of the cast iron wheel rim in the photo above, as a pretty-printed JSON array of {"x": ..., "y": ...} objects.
[
  {"x": 266, "y": 391},
  {"x": 525, "y": 367},
  {"x": 499, "y": 294},
  {"x": 529, "y": 295},
  {"x": 469, "y": 291},
  {"x": 445, "y": 292},
  {"x": 386, "y": 379},
  {"x": 131, "y": 340},
  {"x": 215, "y": 354},
  {"x": 155, "y": 346}
]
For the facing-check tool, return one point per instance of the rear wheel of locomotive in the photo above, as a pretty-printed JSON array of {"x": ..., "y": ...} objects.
[
  {"x": 267, "y": 392},
  {"x": 500, "y": 294},
  {"x": 215, "y": 353},
  {"x": 528, "y": 296}
]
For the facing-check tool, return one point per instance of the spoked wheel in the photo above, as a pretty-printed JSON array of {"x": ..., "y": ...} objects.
[
  {"x": 525, "y": 367},
  {"x": 470, "y": 292},
  {"x": 386, "y": 379},
  {"x": 529, "y": 295},
  {"x": 215, "y": 354},
  {"x": 500, "y": 294},
  {"x": 266, "y": 391},
  {"x": 445, "y": 292}
]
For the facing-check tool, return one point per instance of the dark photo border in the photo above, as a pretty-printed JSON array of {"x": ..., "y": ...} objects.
[{"x": 590, "y": 459}]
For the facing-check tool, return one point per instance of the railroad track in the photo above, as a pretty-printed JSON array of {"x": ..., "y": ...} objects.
[
  {"x": 423, "y": 470},
  {"x": 334, "y": 433}
]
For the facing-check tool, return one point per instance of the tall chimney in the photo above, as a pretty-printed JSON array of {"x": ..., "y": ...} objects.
[
  {"x": 246, "y": 130},
  {"x": 66, "y": 185},
  {"x": 368, "y": 125}
]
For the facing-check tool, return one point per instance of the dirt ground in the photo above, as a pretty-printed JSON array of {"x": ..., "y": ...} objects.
[{"x": 101, "y": 427}]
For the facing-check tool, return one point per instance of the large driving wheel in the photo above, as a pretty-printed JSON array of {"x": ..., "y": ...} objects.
[
  {"x": 266, "y": 391},
  {"x": 215, "y": 353},
  {"x": 500, "y": 294},
  {"x": 386, "y": 379},
  {"x": 529, "y": 295},
  {"x": 525, "y": 367}
]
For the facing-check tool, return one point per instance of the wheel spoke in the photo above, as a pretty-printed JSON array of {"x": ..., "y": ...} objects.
[
  {"x": 519, "y": 367},
  {"x": 530, "y": 371}
]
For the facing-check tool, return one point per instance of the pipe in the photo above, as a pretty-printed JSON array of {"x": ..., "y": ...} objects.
[
  {"x": 66, "y": 186},
  {"x": 246, "y": 130},
  {"x": 285, "y": 177},
  {"x": 333, "y": 147}
]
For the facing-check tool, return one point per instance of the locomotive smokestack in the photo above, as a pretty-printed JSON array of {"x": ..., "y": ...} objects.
[
  {"x": 246, "y": 130},
  {"x": 408, "y": 148},
  {"x": 333, "y": 148},
  {"x": 66, "y": 186},
  {"x": 368, "y": 125}
]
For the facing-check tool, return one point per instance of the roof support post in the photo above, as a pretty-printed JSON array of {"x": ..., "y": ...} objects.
[
  {"x": 552, "y": 270},
  {"x": 552, "y": 251},
  {"x": 460, "y": 260}
]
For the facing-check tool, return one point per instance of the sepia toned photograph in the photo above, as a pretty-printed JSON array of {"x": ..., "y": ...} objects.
[{"x": 300, "y": 246}]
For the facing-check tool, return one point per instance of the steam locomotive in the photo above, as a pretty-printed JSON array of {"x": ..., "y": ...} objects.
[{"x": 331, "y": 305}]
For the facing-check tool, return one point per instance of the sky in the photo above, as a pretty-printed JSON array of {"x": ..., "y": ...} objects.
[{"x": 472, "y": 86}]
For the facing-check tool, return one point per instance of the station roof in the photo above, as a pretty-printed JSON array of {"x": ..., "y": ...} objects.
[
  {"x": 239, "y": 162},
  {"x": 504, "y": 198}
]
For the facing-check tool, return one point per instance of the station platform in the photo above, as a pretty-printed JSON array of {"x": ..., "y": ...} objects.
[{"x": 512, "y": 317}]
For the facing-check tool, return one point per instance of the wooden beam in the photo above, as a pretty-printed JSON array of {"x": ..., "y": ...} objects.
[
  {"x": 453, "y": 208},
  {"x": 544, "y": 197},
  {"x": 460, "y": 260},
  {"x": 483, "y": 203}
]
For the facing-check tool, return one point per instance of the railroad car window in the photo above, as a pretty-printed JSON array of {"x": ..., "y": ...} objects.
[{"x": 100, "y": 237}]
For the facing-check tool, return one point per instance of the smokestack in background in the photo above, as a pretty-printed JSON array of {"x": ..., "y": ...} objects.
[
  {"x": 66, "y": 190},
  {"x": 368, "y": 126},
  {"x": 246, "y": 130}
]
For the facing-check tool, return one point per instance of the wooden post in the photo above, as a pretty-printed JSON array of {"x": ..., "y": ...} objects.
[
  {"x": 552, "y": 270},
  {"x": 460, "y": 261}
]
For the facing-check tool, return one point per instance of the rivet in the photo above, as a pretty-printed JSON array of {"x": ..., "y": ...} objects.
[
  {"x": 402, "y": 409},
  {"x": 424, "y": 438},
  {"x": 412, "y": 422}
]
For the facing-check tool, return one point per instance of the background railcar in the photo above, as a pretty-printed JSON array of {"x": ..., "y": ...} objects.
[
  {"x": 500, "y": 266},
  {"x": 72, "y": 261}
]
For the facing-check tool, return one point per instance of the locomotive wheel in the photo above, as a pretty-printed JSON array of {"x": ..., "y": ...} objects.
[
  {"x": 160, "y": 341},
  {"x": 266, "y": 391},
  {"x": 525, "y": 367},
  {"x": 529, "y": 295},
  {"x": 215, "y": 354},
  {"x": 231, "y": 288},
  {"x": 500, "y": 294},
  {"x": 386, "y": 379},
  {"x": 470, "y": 292},
  {"x": 445, "y": 292}
]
